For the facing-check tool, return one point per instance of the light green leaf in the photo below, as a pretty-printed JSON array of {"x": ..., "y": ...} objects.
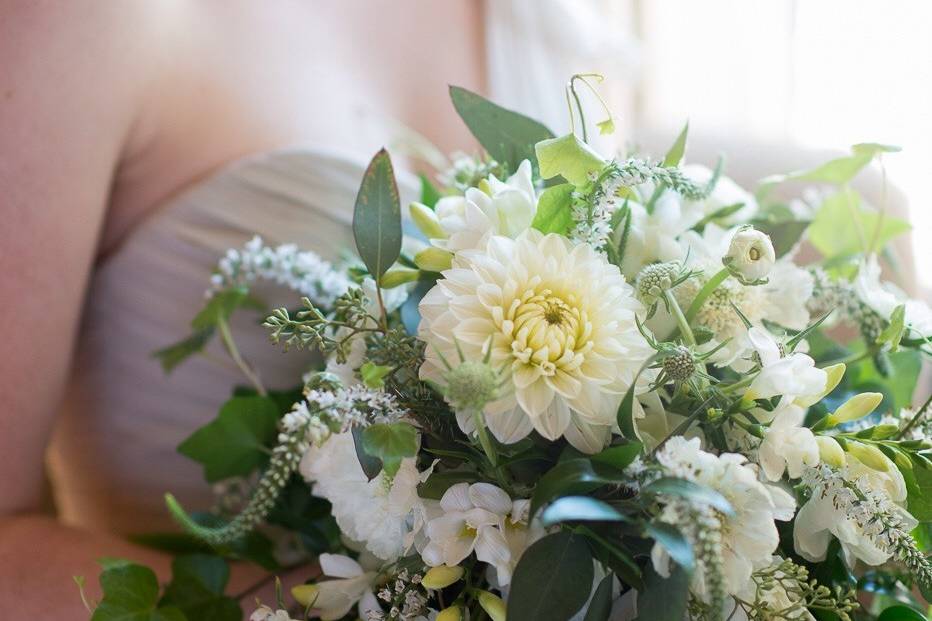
[
  {"x": 509, "y": 137},
  {"x": 373, "y": 375},
  {"x": 130, "y": 594},
  {"x": 600, "y": 606},
  {"x": 675, "y": 155},
  {"x": 676, "y": 545},
  {"x": 606, "y": 127},
  {"x": 197, "y": 586},
  {"x": 377, "y": 216},
  {"x": 235, "y": 443},
  {"x": 619, "y": 456},
  {"x": 919, "y": 491},
  {"x": 553, "y": 579},
  {"x": 173, "y": 355},
  {"x": 893, "y": 333},
  {"x": 554, "y": 210},
  {"x": 580, "y": 508},
  {"x": 390, "y": 442},
  {"x": 663, "y": 599},
  {"x": 570, "y": 157},
  {"x": 838, "y": 171},
  {"x": 690, "y": 490},
  {"x": 843, "y": 228}
]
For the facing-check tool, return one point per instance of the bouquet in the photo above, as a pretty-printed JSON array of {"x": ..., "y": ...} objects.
[{"x": 579, "y": 387}]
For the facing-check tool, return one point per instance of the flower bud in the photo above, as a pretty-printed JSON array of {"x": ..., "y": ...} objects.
[
  {"x": 855, "y": 408},
  {"x": 434, "y": 259},
  {"x": 833, "y": 375},
  {"x": 830, "y": 452},
  {"x": 397, "y": 277},
  {"x": 442, "y": 576},
  {"x": 427, "y": 221},
  {"x": 305, "y": 594},
  {"x": 869, "y": 455},
  {"x": 750, "y": 254},
  {"x": 453, "y": 613},
  {"x": 492, "y": 605}
]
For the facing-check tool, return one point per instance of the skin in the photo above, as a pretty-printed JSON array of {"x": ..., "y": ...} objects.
[{"x": 109, "y": 108}]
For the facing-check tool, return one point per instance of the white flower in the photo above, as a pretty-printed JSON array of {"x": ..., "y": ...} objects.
[
  {"x": 750, "y": 254},
  {"x": 264, "y": 613},
  {"x": 559, "y": 318},
  {"x": 775, "y": 597},
  {"x": 381, "y": 513},
  {"x": 726, "y": 193},
  {"x": 653, "y": 235},
  {"x": 749, "y": 536},
  {"x": 787, "y": 445},
  {"x": 496, "y": 208},
  {"x": 884, "y": 297},
  {"x": 791, "y": 375},
  {"x": 352, "y": 585}
]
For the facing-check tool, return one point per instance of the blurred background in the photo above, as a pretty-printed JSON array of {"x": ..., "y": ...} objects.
[{"x": 774, "y": 85}]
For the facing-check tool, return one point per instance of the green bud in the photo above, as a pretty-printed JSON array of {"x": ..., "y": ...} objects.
[
  {"x": 492, "y": 605},
  {"x": 427, "y": 221},
  {"x": 833, "y": 373},
  {"x": 453, "y": 613},
  {"x": 869, "y": 455},
  {"x": 441, "y": 577},
  {"x": 855, "y": 408},
  {"x": 470, "y": 386},
  {"x": 830, "y": 452},
  {"x": 305, "y": 594},
  {"x": 434, "y": 259},
  {"x": 397, "y": 277}
]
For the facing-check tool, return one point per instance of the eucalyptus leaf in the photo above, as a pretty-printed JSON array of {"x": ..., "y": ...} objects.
[
  {"x": 673, "y": 541},
  {"x": 377, "y": 216},
  {"x": 569, "y": 157},
  {"x": 553, "y": 579},
  {"x": 663, "y": 599},
  {"x": 692, "y": 491},
  {"x": 390, "y": 442},
  {"x": 554, "y": 210},
  {"x": 509, "y": 137},
  {"x": 600, "y": 606},
  {"x": 580, "y": 508}
]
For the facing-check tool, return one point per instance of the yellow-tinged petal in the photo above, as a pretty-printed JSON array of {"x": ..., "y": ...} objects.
[
  {"x": 305, "y": 594},
  {"x": 830, "y": 452},
  {"x": 869, "y": 455},
  {"x": 441, "y": 577},
  {"x": 427, "y": 221},
  {"x": 453, "y": 613},
  {"x": 493, "y": 605},
  {"x": 855, "y": 408},
  {"x": 434, "y": 259},
  {"x": 833, "y": 375},
  {"x": 397, "y": 277}
]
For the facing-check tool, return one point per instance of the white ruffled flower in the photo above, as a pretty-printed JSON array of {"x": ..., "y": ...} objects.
[
  {"x": 496, "y": 208},
  {"x": 787, "y": 444},
  {"x": 884, "y": 297},
  {"x": 382, "y": 513},
  {"x": 750, "y": 254},
  {"x": 559, "y": 318},
  {"x": 352, "y": 585},
  {"x": 478, "y": 518},
  {"x": 749, "y": 536},
  {"x": 791, "y": 375}
]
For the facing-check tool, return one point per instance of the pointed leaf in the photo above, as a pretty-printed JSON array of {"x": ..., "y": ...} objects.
[
  {"x": 675, "y": 155},
  {"x": 574, "y": 476},
  {"x": 377, "y": 216},
  {"x": 690, "y": 490},
  {"x": 676, "y": 545},
  {"x": 553, "y": 579}
]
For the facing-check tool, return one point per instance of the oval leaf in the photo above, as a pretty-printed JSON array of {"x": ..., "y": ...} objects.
[
  {"x": 676, "y": 545},
  {"x": 663, "y": 599},
  {"x": 377, "y": 216},
  {"x": 901, "y": 613},
  {"x": 619, "y": 456},
  {"x": 553, "y": 579},
  {"x": 600, "y": 606},
  {"x": 580, "y": 508}
]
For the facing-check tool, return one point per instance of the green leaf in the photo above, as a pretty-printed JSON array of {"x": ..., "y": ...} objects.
[
  {"x": 676, "y": 545},
  {"x": 173, "y": 355},
  {"x": 569, "y": 157},
  {"x": 784, "y": 235},
  {"x": 509, "y": 137},
  {"x": 553, "y": 579},
  {"x": 429, "y": 193},
  {"x": 625, "y": 414},
  {"x": 197, "y": 588},
  {"x": 838, "y": 171},
  {"x": 689, "y": 490},
  {"x": 377, "y": 216},
  {"x": 663, "y": 599},
  {"x": 390, "y": 442},
  {"x": 570, "y": 477},
  {"x": 675, "y": 155},
  {"x": 580, "y": 508},
  {"x": 373, "y": 374},
  {"x": 619, "y": 456},
  {"x": 554, "y": 210},
  {"x": 901, "y": 613},
  {"x": 600, "y": 606},
  {"x": 842, "y": 228},
  {"x": 919, "y": 492},
  {"x": 130, "y": 594},
  {"x": 235, "y": 443},
  {"x": 893, "y": 333},
  {"x": 371, "y": 466}
]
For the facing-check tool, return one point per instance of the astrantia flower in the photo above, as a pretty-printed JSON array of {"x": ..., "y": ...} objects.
[
  {"x": 749, "y": 536},
  {"x": 380, "y": 513},
  {"x": 558, "y": 318},
  {"x": 884, "y": 297},
  {"x": 351, "y": 584}
]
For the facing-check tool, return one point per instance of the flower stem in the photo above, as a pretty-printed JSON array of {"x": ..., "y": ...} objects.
[
  {"x": 705, "y": 292},
  {"x": 250, "y": 374},
  {"x": 681, "y": 321},
  {"x": 915, "y": 419}
]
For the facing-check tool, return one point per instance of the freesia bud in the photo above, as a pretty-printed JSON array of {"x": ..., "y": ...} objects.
[
  {"x": 305, "y": 594},
  {"x": 830, "y": 452},
  {"x": 397, "y": 277},
  {"x": 442, "y": 576},
  {"x": 869, "y": 455},
  {"x": 434, "y": 259},
  {"x": 492, "y": 605},
  {"x": 750, "y": 254},
  {"x": 427, "y": 221},
  {"x": 855, "y": 408},
  {"x": 453, "y": 613},
  {"x": 833, "y": 375}
]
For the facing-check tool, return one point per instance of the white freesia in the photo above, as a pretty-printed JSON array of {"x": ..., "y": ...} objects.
[
  {"x": 884, "y": 297},
  {"x": 264, "y": 613},
  {"x": 749, "y": 536},
  {"x": 496, "y": 208},
  {"x": 381, "y": 513},
  {"x": 790, "y": 375},
  {"x": 787, "y": 445},
  {"x": 478, "y": 518},
  {"x": 351, "y": 585},
  {"x": 559, "y": 318},
  {"x": 750, "y": 254}
]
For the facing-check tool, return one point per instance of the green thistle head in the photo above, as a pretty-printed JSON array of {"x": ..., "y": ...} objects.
[
  {"x": 656, "y": 278},
  {"x": 471, "y": 385}
]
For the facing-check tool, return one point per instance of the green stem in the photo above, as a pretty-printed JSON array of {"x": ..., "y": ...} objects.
[
  {"x": 684, "y": 426},
  {"x": 486, "y": 443},
  {"x": 251, "y": 375},
  {"x": 681, "y": 321},
  {"x": 915, "y": 419},
  {"x": 704, "y": 293}
]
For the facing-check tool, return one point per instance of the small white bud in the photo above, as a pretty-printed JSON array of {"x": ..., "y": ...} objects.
[
  {"x": 426, "y": 220},
  {"x": 750, "y": 254}
]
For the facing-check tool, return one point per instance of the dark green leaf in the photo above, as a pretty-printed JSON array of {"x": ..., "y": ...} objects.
[
  {"x": 553, "y": 579},
  {"x": 377, "y": 216},
  {"x": 600, "y": 606},
  {"x": 508, "y": 136},
  {"x": 235, "y": 443},
  {"x": 676, "y": 545},
  {"x": 574, "y": 476},
  {"x": 676, "y": 152},
  {"x": 371, "y": 466},
  {"x": 663, "y": 599},
  {"x": 130, "y": 594},
  {"x": 390, "y": 442},
  {"x": 625, "y": 414},
  {"x": 689, "y": 490},
  {"x": 784, "y": 235},
  {"x": 429, "y": 194},
  {"x": 580, "y": 508},
  {"x": 901, "y": 613},
  {"x": 619, "y": 456},
  {"x": 197, "y": 588},
  {"x": 554, "y": 210}
]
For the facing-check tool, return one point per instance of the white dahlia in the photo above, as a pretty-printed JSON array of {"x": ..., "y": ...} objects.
[{"x": 558, "y": 318}]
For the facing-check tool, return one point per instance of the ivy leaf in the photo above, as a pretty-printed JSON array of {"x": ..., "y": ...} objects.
[
  {"x": 842, "y": 228},
  {"x": 377, "y": 216},
  {"x": 373, "y": 374},
  {"x": 580, "y": 508},
  {"x": 675, "y": 155},
  {"x": 509, "y": 137},
  {"x": 554, "y": 210},
  {"x": 131, "y": 592},
  {"x": 568, "y": 157},
  {"x": 390, "y": 442},
  {"x": 893, "y": 333},
  {"x": 838, "y": 171},
  {"x": 676, "y": 545},
  {"x": 574, "y": 476},
  {"x": 663, "y": 599},
  {"x": 197, "y": 588},
  {"x": 553, "y": 579},
  {"x": 234, "y": 443},
  {"x": 689, "y": 490}
]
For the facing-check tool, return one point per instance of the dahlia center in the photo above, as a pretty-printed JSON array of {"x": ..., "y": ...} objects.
[{"x": 548, "y": 330}]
